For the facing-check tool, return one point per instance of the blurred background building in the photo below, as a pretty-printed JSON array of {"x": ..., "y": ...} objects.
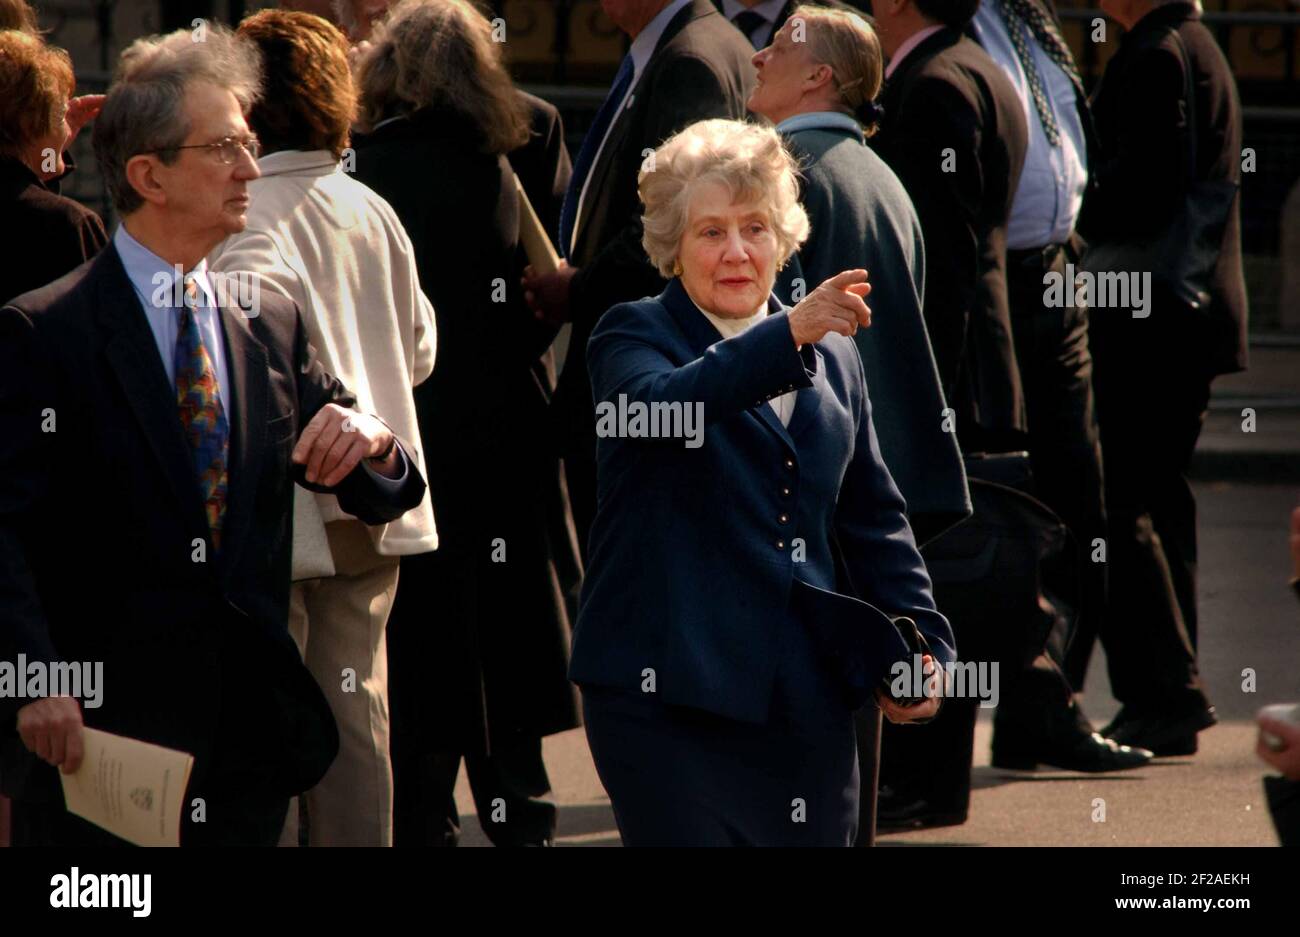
[{"x": 567, "y": 51}]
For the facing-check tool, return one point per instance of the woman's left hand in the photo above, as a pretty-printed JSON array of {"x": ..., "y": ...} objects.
[{"x": 927, "y": 709}]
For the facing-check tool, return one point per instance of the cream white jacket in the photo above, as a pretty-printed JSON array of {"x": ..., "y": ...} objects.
[{"x": 336, "y": 248}]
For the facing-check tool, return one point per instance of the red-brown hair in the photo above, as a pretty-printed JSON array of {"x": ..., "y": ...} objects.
[
  {"x": 36, "y": 81},
  {"x": 308, "y": 102}
]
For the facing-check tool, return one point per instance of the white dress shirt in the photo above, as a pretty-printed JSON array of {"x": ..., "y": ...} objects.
[
  {"x": 1052, "y": 183},
  {"x": 643, "y": 47},
  {"x": 730, "y": 328}
]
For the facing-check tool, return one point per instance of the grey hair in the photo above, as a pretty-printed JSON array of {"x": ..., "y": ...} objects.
[
  {"x": 145, "y": 109},
  {"x": 750, "y": 160}
]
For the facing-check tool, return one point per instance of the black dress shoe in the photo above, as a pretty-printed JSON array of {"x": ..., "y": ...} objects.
[
  {"x": 1088, "y": 752},
  {"x": 897, "y": 811},
  {"x": 1165, "y": 734}
]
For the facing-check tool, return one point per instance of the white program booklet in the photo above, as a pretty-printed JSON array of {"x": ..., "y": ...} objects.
[{"x": 133, "y": 789}]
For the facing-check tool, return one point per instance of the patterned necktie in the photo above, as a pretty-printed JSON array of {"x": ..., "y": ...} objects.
[
  {"x": 582, "y": 166},
  {"x": 1022, "y": 18},
  {"x": 203, "y": 419},
  {"x": 747, "y": 21}
]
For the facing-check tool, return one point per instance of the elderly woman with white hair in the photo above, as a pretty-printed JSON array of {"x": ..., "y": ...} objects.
[{"x": 750, "y": 555}]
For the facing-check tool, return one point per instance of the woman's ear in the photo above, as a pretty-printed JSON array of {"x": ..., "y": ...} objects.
[
  {"x": 141, "y": 173},
  {"x": 819, "y": 76}
]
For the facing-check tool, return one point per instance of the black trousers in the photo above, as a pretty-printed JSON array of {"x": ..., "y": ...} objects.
[
  {"x": 1151, "y": 407},
  {"x": 1065, "y": 457},
  {"x": 1056, "y": 370},
  {"x": 580, "y": 477},
  {"x": 511, "y": 793}
]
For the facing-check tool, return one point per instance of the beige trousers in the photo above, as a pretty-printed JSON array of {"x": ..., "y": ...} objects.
[{"x": 338, "y": 623}]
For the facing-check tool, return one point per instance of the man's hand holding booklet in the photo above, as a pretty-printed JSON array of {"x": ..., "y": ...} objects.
[{"x": 133, "y": 789}]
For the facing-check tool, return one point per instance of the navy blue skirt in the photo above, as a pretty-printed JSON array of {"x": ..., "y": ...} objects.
[{"x": 678, "y": 776}]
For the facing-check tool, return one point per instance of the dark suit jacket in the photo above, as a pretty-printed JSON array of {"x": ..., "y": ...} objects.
[
  {"x": 1284, "y": 806},
  {"x": 1143, "y": 175},
  {"x": 44, "y": 235},
  {"x": 699, "y": 70},
  {"x": 694, "y": 551},
  {"x": 788, "y": 9},
  {"x": 861, "y": 216},
  {"x": 542, "y": 164},
  {"x": 494, "y": 667},
  {"x": 948, "y": 95},
  {"x": 99, "y": 520}
]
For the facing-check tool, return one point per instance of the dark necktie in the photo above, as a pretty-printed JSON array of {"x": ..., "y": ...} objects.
[
  {"x": 747, "y": 21},
  {"x": 582, "y": 166},
  {"x": 203, "y": 418},
  {"x": 1024, "y": 19}
]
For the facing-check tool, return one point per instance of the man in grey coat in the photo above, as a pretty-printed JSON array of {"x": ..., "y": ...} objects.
[{"x": 861, "y": 216}]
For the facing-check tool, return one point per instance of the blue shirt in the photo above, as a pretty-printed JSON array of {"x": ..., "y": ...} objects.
[
  {"x": 153, "y": 278},
  {"x": 1052, "y": 183}
]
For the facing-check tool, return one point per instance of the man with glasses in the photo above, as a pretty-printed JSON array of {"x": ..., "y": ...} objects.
[{"x": 149, "y": 442}]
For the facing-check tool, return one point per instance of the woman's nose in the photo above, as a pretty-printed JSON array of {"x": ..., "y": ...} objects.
[{"x": 735, "y": 251}]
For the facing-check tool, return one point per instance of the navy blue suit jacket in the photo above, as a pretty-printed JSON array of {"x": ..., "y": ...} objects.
[{"x": 694, "y": 551}]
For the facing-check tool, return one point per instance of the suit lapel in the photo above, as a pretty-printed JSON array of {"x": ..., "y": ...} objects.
[
  {"x": 246, "y": 412},
  {"x": 133, "y": 356},
  {"x": 597, "y": 204},
  {"x": 618, "y": 132},
  {"x": 808, "y": 400},
  {"x": 700, "y": 334}
]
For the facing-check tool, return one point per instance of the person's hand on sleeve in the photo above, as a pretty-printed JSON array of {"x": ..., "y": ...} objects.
[
  {"x": 837, "y": 305},
  {"x": 337, "y": 439},
  {"x": 51, "y": 728}
]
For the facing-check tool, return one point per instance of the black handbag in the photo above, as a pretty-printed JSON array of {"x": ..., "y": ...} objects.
[
  {"x": 1183, "y": 257},
  {"x": 861, "y": 643}
]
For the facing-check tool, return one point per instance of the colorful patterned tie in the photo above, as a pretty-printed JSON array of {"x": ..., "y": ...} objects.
[
  {"x": 1023, "y": 17},
  {"x": 202, "y": 416}
]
